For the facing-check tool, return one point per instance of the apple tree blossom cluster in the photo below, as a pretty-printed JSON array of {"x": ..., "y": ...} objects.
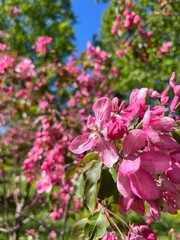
[{"x": 137, "y": 141}]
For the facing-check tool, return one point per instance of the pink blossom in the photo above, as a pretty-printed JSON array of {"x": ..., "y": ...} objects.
[
  {"x": 116, "y": 129},
  {"x": 3, "y": 46},
  {"x": 138, "y": 98},
  {"x": 176, "y": 88},
  {"x": 44, "y": 184},
  {"x": 121, "y": 53},
  {"x": 136, "y": 204},
  {"x": 22, "y": 93},
  {"x": 115, "y": 25},
  {"x": 6, "y": 61},
  {"x": 15, "y": 11},
  {"x": 149, "y": 35},
  {"x": 55, "y": 216},
  {"x": 165, "y": 48},
  {"x": 71, "y": 102},
  {"x": 141, "y": 232},
  {"x": 77, "y": 205},
  {"x": 53, "y": 235},
  {"x": 43, "y": 104},
  {"x": 25, "y": 68},
  {"x": 107, "y": 151},
  {"x": 130, "y": 143},
  {"x": 128, "y": 4},
  {"x": 109, "y": 236},
  {"x": 40, "y": 45},
  {"x": 129, "y": 181},
  {"x": 137, "y": 19}
]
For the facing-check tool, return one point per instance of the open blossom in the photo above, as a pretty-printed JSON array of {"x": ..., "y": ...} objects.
[
  {"x": 40, "y": 45},
  {"x": 107, "y": 151},
  {"x": 25, "y": 68}
]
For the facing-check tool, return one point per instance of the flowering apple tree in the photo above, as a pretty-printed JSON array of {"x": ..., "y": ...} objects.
[{"x": 75, "y": 160}]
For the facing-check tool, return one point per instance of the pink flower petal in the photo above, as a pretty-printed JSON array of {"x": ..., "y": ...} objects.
[
  {"x": 137, "y": 205},
  {"x": 130, "y": 165},
  {"x": 102, "y": 109},
  {"x": 174, "y": 103},
  {"x": 107, "y": 153},
  {"x": 166, "y": 124},
  {"x": 154, "y": 209},
  {"x": 134, "y": 141},
  {"x": 164, "y": 141},
  {"x": 154, "y": 161},
  {"x": 123, "y": 185},
  {"x": 82, "y": 143},
  {"x": 173, "y": 173},
  {"x": 171, "y": 80},
  {"x": 143, "y": 185}
]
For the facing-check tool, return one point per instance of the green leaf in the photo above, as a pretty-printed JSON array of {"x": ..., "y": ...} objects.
[
  {"x": 32, "y": 189},
  {"x": 176, "y": 135},
  {"x": 113, "y": 174},
  {"x": 78, "y": 230},
  {"x": 95, "y": 227},
  {"x": 90, "y": 156},
  {"x": 79, "y": 184},
  {"x": 108, "y": 185},
  {"x": 92, "y": 177}
]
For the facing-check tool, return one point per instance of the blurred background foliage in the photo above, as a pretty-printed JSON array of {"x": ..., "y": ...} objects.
[{"x": 39, "y": 18}]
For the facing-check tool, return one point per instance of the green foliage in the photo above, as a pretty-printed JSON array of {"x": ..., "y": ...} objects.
[
  {"x": 78, "y": 230},
  {"x": 95, "y": 228},
  {"x": 108, "y": 186},
  {"x": 92, "y": 184},
  {"x": 39, "y": 18}
]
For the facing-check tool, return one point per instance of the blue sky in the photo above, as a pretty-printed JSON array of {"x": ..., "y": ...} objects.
[{"x": 89, "y": 20}]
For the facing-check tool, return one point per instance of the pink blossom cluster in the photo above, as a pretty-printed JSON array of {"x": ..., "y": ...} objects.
[
  {"x": 148, "y": 152},
  {"x": 47, "y": 158},
  {"x": 130, "y": 19},
  {"x": 40, "y": 45},
  {"x": 126, "y": 21},
  {"x": 6, "y": 61},
  {"x": 87, "y": 81},
  {"x": 63, "y": 196},
  {"x": 115, "y": 25},
  {"x": 52, "y": 166},
  {"x": 3, "y": 46},
  {"x": 96, "y": 54},
  {"x": 141, "y": 232},
  {"x": 25, "y": 68}
]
